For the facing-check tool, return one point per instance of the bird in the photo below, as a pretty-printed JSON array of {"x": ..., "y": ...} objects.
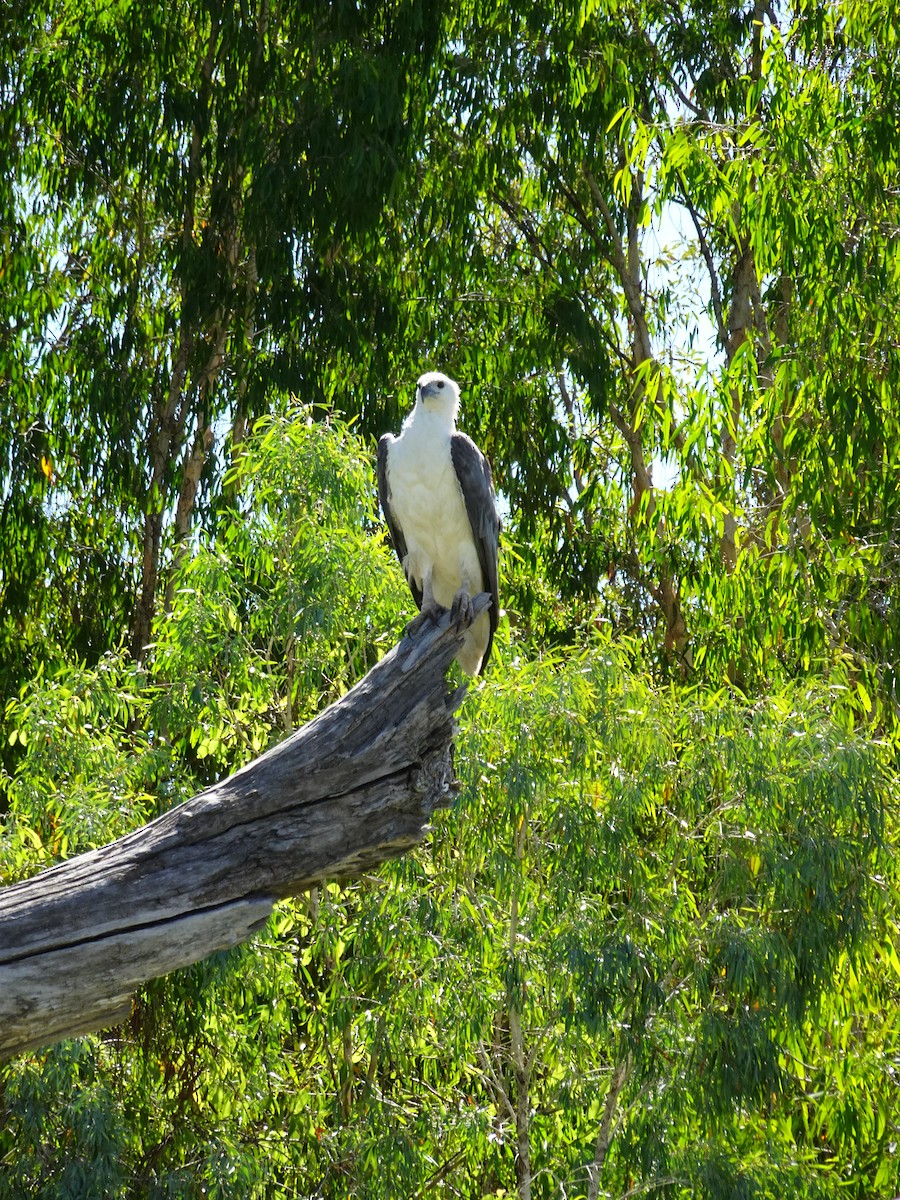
[{"x": 436, "y": 492}]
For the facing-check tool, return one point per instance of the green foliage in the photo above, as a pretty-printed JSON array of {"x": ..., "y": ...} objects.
[
  {"x": 284, "y": 610},
  {"x": 175, "y": 180},
  {"x": 688, "y": 886},
  {"x": 88, "y": 768},
  {"x": 654, "y": 948}
]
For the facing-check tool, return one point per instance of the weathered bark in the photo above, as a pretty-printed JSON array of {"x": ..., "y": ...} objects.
[{"x": 351, "y": 789}]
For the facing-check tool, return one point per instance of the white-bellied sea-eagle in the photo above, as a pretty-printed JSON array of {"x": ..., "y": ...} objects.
[{"x": 437, "y": 496}]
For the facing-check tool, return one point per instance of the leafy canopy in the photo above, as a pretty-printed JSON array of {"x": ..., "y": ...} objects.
[{"x": 654, "y": 948}]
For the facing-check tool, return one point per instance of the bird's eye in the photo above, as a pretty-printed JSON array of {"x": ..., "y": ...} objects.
[{"x": 440, "y": 383}]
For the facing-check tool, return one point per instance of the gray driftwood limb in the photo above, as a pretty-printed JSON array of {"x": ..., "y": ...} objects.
[{"x": 353, "y": 788}]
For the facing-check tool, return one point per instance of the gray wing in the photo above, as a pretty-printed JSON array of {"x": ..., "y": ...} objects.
[
  {"x": 474, "y": 474},
  {"x": 398, "y": 541}
]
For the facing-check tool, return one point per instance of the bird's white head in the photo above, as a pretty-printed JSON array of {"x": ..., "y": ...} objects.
[{"x": 436, "y": 393}]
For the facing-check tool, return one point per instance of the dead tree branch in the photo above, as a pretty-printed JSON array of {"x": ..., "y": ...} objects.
[{"x": 351, "y": 789}]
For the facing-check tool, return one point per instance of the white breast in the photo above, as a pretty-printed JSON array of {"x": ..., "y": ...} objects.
[{"x": 428, "y": 504}]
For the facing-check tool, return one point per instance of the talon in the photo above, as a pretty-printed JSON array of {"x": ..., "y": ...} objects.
[
  {"x": 426, "y": 616},
  {"x": 463, "y": 610}
]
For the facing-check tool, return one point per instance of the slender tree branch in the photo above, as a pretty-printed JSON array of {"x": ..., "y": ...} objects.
[
  {"x": 706, "y": 251},
  {"x": 620, "y": 262},
  {"x": 538, "y": 248},
  {"x": 606, "y": 1130},
  {"x": 494, "y": 1083},
  {"x": 441, "y": 1173}
]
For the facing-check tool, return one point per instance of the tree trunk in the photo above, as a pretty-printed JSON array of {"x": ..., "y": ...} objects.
[
  {"x": 171, "y": 414},
  {"x": 354, "y": 787}
]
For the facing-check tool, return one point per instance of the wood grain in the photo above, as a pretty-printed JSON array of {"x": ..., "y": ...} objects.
[{"x": 351, "y": 789}]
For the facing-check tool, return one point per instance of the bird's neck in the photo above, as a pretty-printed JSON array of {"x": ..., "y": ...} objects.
[{"x": 430, "y": 422}]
